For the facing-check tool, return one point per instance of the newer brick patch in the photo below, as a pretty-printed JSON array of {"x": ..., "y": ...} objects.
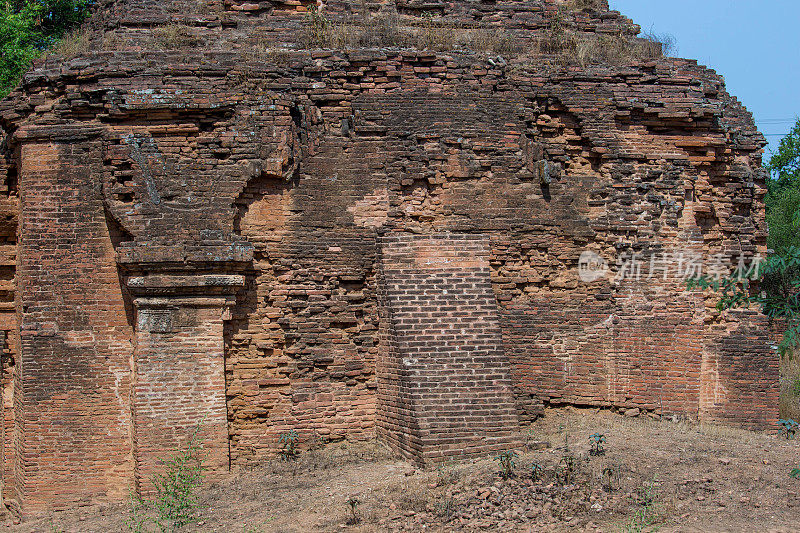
[
  {"x": 444, "y": 382},
  {"x": 203, "y": 234}
]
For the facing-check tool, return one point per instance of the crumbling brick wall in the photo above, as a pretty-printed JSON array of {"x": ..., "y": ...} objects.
[{"x": 219, "y": 213}]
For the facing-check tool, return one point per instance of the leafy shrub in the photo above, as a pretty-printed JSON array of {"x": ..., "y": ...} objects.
[
  {"x": 507, "y": 461},
  {"x": 289, "y": 439},
  {"x": 174, "y": 503},
  {"x": 783, "y": 193},
  {"x": 597, "y": 442},
  {"x": 795, "y": 473},
  {"x": 774, "y": 286},
  {"x": 788, "y": 428}
]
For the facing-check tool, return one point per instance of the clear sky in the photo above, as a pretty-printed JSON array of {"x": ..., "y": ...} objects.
[{"x": 754, "y": 44}]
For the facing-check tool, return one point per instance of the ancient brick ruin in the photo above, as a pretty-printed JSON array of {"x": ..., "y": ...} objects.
[{"x": 209, "y": 219}]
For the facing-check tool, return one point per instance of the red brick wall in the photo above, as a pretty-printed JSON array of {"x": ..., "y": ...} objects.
[
  {"x": 179, "y": 382},
  {"x": 444, "y": 383},
  {"x": 73, "y": 383},
  {"x": 311, "y": 156}
]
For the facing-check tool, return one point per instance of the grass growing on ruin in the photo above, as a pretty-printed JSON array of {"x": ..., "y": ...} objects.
[
  {"x": 557, "y": 41},
  {"x": 587, "y": 5},
  {"x": 175, "y": 37},
  {"x": 385, "y": 31}
]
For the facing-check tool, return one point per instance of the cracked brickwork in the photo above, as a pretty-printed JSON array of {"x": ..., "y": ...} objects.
[{"x": 200, "y": 232}]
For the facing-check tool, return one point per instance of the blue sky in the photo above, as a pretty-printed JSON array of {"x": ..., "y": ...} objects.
[{"x": 754, "y": 44}]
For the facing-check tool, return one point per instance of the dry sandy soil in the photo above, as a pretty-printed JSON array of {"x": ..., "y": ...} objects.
[{"x": 655, "y": 475}]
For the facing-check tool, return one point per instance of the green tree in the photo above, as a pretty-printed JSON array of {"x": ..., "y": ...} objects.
[
  {"x": 783, "y": 193},
  {"x": 28, "y": 28}
]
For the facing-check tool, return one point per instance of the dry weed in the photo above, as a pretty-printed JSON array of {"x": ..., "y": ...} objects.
[
  {"x": 175, "y": 36},
  {"x": 74, "y": 43}
]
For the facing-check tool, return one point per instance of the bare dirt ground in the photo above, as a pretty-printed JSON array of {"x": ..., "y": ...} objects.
[{"x": 655, "y": 475}]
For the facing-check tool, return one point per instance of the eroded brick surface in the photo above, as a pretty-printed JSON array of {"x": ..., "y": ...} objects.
[{"x": 202, "y": 230}]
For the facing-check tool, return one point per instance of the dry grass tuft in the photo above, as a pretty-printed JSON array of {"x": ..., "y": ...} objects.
[
  {"x": 573, "y": 48},
  {"x": 175, "y": 36},
  {"x": 587, "y": 5},
  {"x": 385, "y": 31},
  {"x": 72, "y": 44}
]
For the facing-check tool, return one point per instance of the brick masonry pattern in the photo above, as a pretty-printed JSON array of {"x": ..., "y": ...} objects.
[{"x": 199, "y": 234}]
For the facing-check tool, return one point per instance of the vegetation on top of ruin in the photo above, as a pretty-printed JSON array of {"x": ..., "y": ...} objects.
[
  {"x": 28, "y": 28},
  {"x": 32, "y": 28},
  {"x": 558, "y": 41}
]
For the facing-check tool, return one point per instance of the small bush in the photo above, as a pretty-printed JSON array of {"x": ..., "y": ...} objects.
[
  {"x": 566, "y": 469},
  {"x": 174, "y": 503},
  {"x": 317, "y": 28},
  {"x": 597, "y": 442},
  {"x": 352, "y": 504},
  {"x": 788, "y": 428},
  {"x": 289, "y": 439},
  {"x": 507, "y": 461},
  {"x": 664, "y": 44},
  {"x": 610, "y": 478},
  {"x": 537, "y": 472}
]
